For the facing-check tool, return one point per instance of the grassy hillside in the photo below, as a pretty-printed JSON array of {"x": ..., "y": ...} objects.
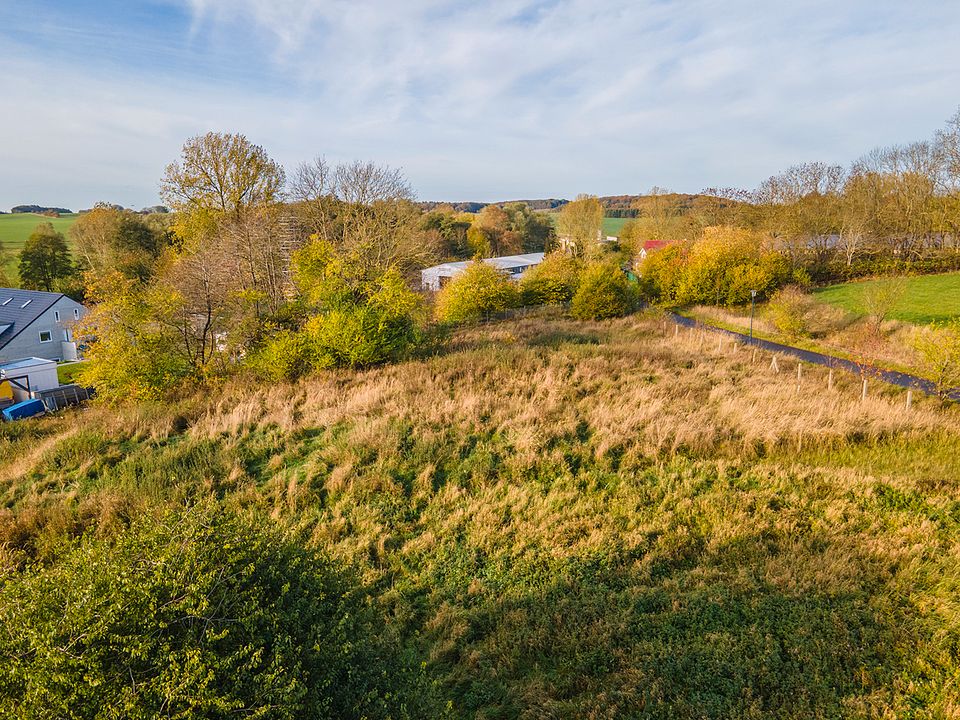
[
  {"x": 926, "y": 298},
  {"x": 568, "y": 519},
  {"x": 16, "y": 228}
]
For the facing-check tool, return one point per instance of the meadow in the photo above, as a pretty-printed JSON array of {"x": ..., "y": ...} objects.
[
  {"x": 926, "y": 298},
  {"x": 563, "y": 519},
  {"x": 610, "y": 226},
  {"x": 15, "y": 228}
]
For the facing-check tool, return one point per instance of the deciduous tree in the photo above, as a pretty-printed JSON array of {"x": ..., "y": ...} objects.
[
  {"x": 579, "y": 224},
  {"x": 45, "y": 259}
]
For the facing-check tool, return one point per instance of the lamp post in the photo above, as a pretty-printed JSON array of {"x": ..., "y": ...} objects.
[{"x": 753, "y": 300}]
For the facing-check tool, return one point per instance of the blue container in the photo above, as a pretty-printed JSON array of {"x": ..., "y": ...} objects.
[{"x": 25, "y": 409}]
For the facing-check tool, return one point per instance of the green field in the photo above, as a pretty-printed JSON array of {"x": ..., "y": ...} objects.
[
  {"x": 15, "y": 228},
  {"x": 927, "y": 298},
  {"x": 611, "y": 226}
]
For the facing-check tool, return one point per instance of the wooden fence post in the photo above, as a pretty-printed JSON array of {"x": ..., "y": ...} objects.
[
  {"x": 909, "y": 398},
  {"x": 863, "y": 391},
  {"x": 830, "y": 380}
]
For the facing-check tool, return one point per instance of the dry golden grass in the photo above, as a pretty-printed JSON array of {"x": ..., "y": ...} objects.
[{"x": 577, "y": 519}]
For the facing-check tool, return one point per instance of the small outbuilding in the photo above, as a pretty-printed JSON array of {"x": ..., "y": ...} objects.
[
  {"x": 434, "y": 278},
  {"x": 21, "y": 378}
]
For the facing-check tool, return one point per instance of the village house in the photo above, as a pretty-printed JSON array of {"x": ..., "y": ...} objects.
[{"x": 36, "y": 324}]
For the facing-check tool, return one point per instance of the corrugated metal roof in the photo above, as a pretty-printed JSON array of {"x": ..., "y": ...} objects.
[
  {"x": 503, "y": 263},
  {"x": 19, "y": 308}
]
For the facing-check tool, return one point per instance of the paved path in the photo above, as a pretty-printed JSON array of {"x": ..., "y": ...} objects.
[{"x": 888, "y": 376}]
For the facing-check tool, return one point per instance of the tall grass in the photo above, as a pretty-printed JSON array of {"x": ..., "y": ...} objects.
[{"x": 576, "y": 519}]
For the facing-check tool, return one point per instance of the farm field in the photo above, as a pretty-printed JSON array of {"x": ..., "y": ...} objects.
[
  {"x": 611, "y": 225},
  {"x": 926, "y": 299},
  {"x": 549, "y": 519},
  {"x": 15, "y": 228}
]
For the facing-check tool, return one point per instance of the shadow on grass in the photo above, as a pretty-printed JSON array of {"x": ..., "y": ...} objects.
[{"x": 699, "y": 638}]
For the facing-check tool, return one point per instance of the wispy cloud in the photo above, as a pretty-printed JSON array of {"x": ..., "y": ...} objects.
[{"x": 492, "y": 99}]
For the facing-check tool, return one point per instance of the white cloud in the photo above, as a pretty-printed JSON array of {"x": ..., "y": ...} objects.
[{"x": 503, "y": 98}]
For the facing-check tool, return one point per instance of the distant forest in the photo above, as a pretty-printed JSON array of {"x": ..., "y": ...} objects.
[
  {"x": 617, "y": 206},
  {"x": 39, "y": 209}
]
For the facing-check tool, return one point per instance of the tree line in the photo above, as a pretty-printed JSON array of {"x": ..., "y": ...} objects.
[
  {"x": 256, "y": 270},
  {"x": 895, "y": 208}
]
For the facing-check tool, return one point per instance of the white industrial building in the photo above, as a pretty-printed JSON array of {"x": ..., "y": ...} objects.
[{"x": 434, "y": 278}]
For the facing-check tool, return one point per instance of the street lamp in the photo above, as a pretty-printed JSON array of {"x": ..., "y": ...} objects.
[{"x": 753, "y": 300}]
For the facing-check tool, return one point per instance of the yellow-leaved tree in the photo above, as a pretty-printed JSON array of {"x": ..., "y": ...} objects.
[{"x": 579, "y": 224}]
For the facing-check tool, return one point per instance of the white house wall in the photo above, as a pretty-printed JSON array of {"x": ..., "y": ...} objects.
[{"x": 27, "y": 343}]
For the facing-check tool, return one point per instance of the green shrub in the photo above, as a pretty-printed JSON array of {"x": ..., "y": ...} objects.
[
  {"x": 604, "y": 292},
  {"x": 202, "y": 614},
  {"x": 380, "y": 328},
  {"x": 478, "y": 292},
  {"x": 789, "y": 309},
  {"x": 285, "y": 356},
  {"x": 552, "y": 282}
]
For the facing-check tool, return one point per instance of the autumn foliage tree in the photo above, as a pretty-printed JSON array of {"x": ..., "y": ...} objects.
[
  {"x": 604, "y": 292},
  {"x": 579, "y": 224}
]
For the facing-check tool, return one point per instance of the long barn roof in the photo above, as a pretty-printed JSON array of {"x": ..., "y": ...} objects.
[{"x": 503, "y": 263}]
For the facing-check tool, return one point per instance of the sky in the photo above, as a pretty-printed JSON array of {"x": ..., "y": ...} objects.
[{"x": 483, "y": 100}]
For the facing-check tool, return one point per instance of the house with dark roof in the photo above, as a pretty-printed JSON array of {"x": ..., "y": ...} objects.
[{"x": 37, "y": 324}]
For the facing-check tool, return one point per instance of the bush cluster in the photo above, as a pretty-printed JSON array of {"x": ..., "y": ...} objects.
[
  {"x": 597, "y": 291},
  {"x": 351, "y": 321},
  {"x": 790, "y": 309},
  {"x": 722, "y": 268}
]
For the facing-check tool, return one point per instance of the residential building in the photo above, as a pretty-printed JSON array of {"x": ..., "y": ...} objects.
[{"x": 36, "y": 324}]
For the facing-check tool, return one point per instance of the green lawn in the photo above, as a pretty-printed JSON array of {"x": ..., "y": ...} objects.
[
  {"x": 67, "y": 372},
  {"x": 16, "y": 228},
  {"x": 927, "y": 298}
]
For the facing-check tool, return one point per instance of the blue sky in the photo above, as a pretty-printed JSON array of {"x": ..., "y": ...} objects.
[{"x": 474, "y": 100}]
